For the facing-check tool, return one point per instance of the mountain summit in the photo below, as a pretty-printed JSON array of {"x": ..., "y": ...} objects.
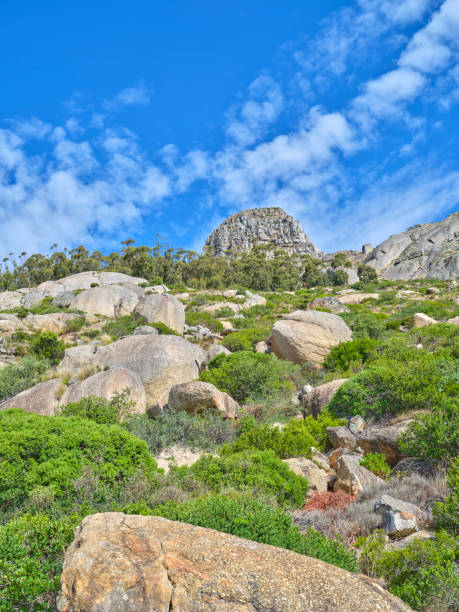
[{"x": 270, "y": 226}]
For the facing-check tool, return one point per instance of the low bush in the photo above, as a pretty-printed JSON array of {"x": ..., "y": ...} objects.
[
  {"x": 45, "y": 307},
  {"x": 46, "y": 345},
  {"x": 247, "y": 518},
  {"x": 434, "y": 435},
  {"x": 224, "y": 312},
  {"x": 293, "y": 440},
  {"x": 351, "y": 354},
  {"x": 424, "y": 574},
  {"x": 17, "y": 377},
  {"x": 245, "y": 375},
  {"x": 366, "y": 324},
  {"x": 163, "y": 329},
  {"x": 193, "y": 318},
  {"x": 123, "y": 326},
  {"x": 206, "y": 431},
  {"x": 328, "y": 500},
  {"x": 244, "y": 340},
  {"x": 447, "y": 513},
  {"x": 366, "y": 273},
  {"x": 376, "y": 463},
  {"x": 253, "y": 471},
  {"x": 75, "y": 325},
  {"x": 100, "y": 409},
  {"x": 46, "y": 457}
]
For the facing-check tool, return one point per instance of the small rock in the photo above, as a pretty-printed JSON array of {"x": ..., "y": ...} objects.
[
  {"x": 353, "y": 478},
  {"x": 230, "y": 293},
  {"x": 63, "y": 299},
  {"x": 261, "y": 347},
  {"x": 386, "y": 503},
  {"x": 196, "y": 396},
  {"x": 422, "y": 320},
  {"x": 399, "y": 524},
  {"x": 357, "y": 424},
  {"x": 454, "y": 321},
  {"x": 320, "y": 459},
  {"x": 145, "y": 330},
  {"x": 316, "y": 477},
  {"x": 334, "y": 456},
  {"x": 341, "y": 437},
  {"x": 320, "y": 396}
]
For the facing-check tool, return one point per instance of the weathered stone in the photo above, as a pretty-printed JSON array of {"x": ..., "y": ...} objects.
[
  {"x": 145, "y": 330},
  {"x": 10, "y": 300},
  {"x": 308, "y": 336},
  {"x": 54, "y": 322},
  {"x": 260, "y": 226},
  {"x": 387, "y": 503},
  {"x": 332, "y": 303},
  {"x": 412, "y": 465},
  {"x": 383, "y": 440},
  {"x": 320, "y": 396},
  {"x": 399, "y": 524},
  {"x": 41, "y": 398},
  {"x": 214, "y": 308},
  {"x": 77, "y": 357},
  {"x": 160, "y": 361},
  {"x": 111, "y": 301},
  {"x": 422, "y": 320},
  {"x": 357, "y": 298},
  {"x": 230, "y": 293},
  {"x": 261, "y": 347},
  {"x": 341, "y": 437},
  {"x": 32, "y": 299},
  {"x": 334, "y": 456},
  {"x": 63, "y": 299},
  {"x": 454, "y": 321},
  {"x": 215, "y": 350},
  {"x": 177, "y": 456},
  {"x": 356, "y": 424},
  {"x": 253, "y": 300},
  {"x": 162, "y": 308},
  {"x": 320, "y": 459},
  {"x": 430, "y": 250},
  {"x": 351, "y": 477},
  {"x": 197, "y": 396},
  {"x": 10, "y": 323},
  {"x": 317, "y": 477},
  {"x": 106, "y": 384},
  {"x": 128, "y": 563},
  {"x": 367, "y": 248}
]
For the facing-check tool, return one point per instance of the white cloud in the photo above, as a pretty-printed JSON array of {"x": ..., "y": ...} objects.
[{"x": 128, "y": 97}]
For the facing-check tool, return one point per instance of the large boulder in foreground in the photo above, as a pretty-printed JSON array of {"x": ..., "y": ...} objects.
[
  {"x": 160, "y": 361},
  {"x": 308, "y": 335},
  {"x": 197, "y": 396},
  {"x": 106, "y": 384},
  {"x": 162, "y": 308},
  {"x": 131, "y": 563}
]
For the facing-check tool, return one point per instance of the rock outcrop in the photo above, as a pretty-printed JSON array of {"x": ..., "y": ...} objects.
[
  {"x": 308, "y": 336},
  {"x": 430, "y": 250},
  {"x": 131, "y": 563},
  {"x": 162, "y": 308},
  {"x": 260, "y": 226},
  {"x": 197, "y": 396}
]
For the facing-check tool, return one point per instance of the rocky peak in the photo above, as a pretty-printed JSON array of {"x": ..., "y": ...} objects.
[{"x": 260, "y": 226}]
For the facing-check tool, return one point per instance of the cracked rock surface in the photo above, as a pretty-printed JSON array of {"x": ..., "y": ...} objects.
[{"x": 121, "y": 563}]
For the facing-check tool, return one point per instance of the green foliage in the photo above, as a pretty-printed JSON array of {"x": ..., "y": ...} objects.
[
  {"x": 45, "y": 307},
  {"x": 424, "y": 574},
  {"x": 253, "y": 471},
  {"x": 366, "y": 273},
  {"x": 293, "y": 440},
  {"x": 245, "y": 375},
  {"x": 366, "y": 324},
  {"x": 17, "y": 377},
  {"x": 206, "y": 431},
  {"x": 46, "y": 345},
  {"x": 31, "y": 555},
  {"x": 434, "y": 435},
  {"x": 339, "y": 260},
  {"x": 352, "y": 354},
  {"x": 224, "y": 312},
  {"x": 123, "y": 326},
  {"x": 376, "y": 463},
  {"x": 163, "y": 329},
  {"x": 339, "y": 277},
  {"x": 101, "y": 410},
  {"x": 197, "y": 317},
  {"x": 75, "y": 325},
  {"x": 244, "y": 340},
  {"x": 447, "y": 513},
  {"x": 247, "y": 518},
  {"x": 39, "y": 452}
]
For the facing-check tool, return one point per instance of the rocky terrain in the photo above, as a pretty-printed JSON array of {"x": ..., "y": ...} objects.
[
  {"x": 260, "y": 226},
  {"x": 287, "y": 445}
]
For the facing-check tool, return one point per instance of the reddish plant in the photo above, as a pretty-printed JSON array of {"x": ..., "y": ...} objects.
[{"x": 328, "y": 500}]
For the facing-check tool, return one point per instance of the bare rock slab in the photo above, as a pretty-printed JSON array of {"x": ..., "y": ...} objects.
[{"x": 128, "y": 563}]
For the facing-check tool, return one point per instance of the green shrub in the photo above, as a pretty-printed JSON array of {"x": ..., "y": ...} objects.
[
  {"x": 31, "y": 555},
  {"x": 100, "y": 409},
  {"x": 339, "y": 277},
  {"x": 46, "y": 345},
  {"x": 351, "y": 354},
  {"x": 293, "y": 440},
  {"x": 75, "y": 325},
  {"x": 434, "y": 435},
  {"x": 40, "y": 451},
  {"x": 244, "y": 340},
  {"x": 163, "y": 329},
  {"x": 376, "y": 463},
  {"x": 424, "y": 574},
  {"x": 224, "y": 312},
  {"x": 447, "y": 513},
  {"x": 247, "y": 518},
  {"x": 206, "y": 431},
  {"x": 17, "y": 377},
  {"x": 123, "y": 326},
  {"x": 245, "y": 375},
  {"x": 366, "y": 273},
  {"x": 45, "y": 307},
  {"x": 193, "y": 318},
  {"x": 253, "y": 470},
  {"x": 365, "y": 324},
  {"x": 340, "y": 259}
]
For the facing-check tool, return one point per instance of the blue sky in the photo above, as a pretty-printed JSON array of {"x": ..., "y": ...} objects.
[{"x": 127, "y": 120}]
